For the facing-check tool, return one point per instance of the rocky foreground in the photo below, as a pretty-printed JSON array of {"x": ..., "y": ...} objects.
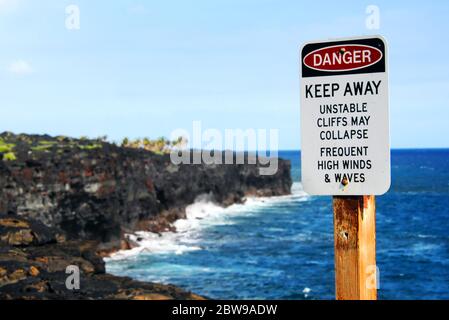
[
  {"x": 67, "y": 201},
  {"x": 34, "y": 261}
]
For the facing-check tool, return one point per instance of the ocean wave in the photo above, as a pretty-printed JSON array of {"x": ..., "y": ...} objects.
[{"x": 203, "y": 213}]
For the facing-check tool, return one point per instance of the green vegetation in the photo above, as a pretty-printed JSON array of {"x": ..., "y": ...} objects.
[
  {"x": 7, "y": 150},
  {"x": 6, "y": 147},
  {"x": 47, "y": 143},
  {"x": 44, "y": 145},
  {"x": 10, "y": 156},
  {"x": 41, "y": 148},
  {"x": 90, "y": 146},
  {"x": 159, "y": 146}
]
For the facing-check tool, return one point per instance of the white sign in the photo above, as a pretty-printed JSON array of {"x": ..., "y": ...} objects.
[{"x": 345, "y": 147}]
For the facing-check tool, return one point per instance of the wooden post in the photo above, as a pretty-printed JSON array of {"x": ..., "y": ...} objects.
[{"x": 355, "y": 247}]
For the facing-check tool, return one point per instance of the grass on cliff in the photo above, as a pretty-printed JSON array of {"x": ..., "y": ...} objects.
[
  {"x": 44, "y": 145},
  {"x": 158, "y": 146},
  {"x": 6, "y": 147},
  {"x": 47, "y": 145},
  {"x": 60, "y": 144},
  {"x": 10, "y": 156},
  {"x": 10, "y": 144},
  {"x": 90, "y": 146},
  {"x": 7, "y": 150}
]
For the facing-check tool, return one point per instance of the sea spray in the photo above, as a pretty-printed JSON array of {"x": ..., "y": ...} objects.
[{"x": 201, "y": 214}]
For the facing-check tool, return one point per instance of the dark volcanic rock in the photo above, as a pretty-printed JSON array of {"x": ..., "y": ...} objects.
[
  {"x": 17, "y": 232},
  {"x": 64, "y": 200},
  {"x": 37, "y": 269},
  {"x": 95, "y": 190}
]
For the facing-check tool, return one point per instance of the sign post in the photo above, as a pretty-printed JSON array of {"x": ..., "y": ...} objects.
[
  {"x": 355, "y": 248},
  {"x": 345, "y": 148}
]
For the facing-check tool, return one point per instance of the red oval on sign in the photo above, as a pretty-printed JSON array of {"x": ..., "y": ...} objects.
[{"x": 342, "y": 57}]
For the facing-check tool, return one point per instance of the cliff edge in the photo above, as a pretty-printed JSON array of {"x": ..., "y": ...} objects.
[
  {"x": 96, "y": 190},
  {"x": 65, "y": 202}
]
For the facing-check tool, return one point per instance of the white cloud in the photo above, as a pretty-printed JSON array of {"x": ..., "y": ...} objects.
[
  {"x": 8, "y": 5},
  {"x": 20, "y": 67}
]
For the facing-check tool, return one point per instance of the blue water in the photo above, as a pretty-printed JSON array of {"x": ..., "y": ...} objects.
[{"x": 283, "y": 248}]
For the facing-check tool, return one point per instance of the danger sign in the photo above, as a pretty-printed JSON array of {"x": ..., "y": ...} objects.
[{"x": 344, "y": 117}]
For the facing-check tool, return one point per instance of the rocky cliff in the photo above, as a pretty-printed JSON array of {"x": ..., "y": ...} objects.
[
  {"x": 63, "y": 201},
  {"x": 34, "y": 261},
  {"x": 95, "y": 190}
]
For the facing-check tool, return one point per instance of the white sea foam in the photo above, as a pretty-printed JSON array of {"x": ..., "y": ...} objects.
[
  {"x": 199, "y": 215},
  {"x": 306, "y": 292}
]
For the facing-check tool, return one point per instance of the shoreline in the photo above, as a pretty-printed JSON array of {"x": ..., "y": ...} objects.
[
  {"x": 87, "y": 195},
  {"x": 167, "y": 222},
  {"x": 176, "y": 257},
  {"x": 201, "y": 214}
]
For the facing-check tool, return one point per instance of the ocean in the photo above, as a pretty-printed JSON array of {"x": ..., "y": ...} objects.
[{"x": 282, "y": 247}]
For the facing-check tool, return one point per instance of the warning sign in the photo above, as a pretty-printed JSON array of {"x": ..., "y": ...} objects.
[{"x": 345, "y": 147}]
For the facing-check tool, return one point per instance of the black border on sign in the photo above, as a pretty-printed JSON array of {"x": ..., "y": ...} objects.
[{"x": 376, "y": 42}]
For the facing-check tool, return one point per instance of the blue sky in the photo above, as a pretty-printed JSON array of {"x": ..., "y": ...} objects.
[{"x": 145, "y": 68}]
